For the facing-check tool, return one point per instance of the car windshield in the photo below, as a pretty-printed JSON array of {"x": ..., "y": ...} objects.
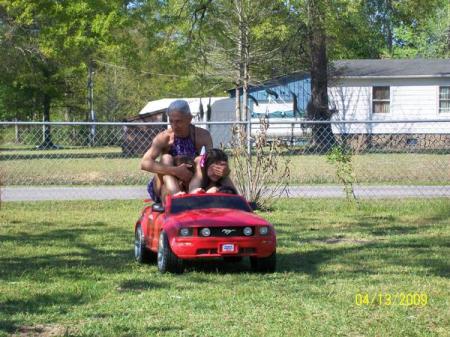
[{"x": 208, "y": 201}]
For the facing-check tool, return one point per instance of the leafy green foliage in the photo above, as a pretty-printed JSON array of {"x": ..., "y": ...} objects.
[
  {"x": 341, "y": 158},
  {"x": 47, "y": 45},
  {"x": 144, "y": 50}
]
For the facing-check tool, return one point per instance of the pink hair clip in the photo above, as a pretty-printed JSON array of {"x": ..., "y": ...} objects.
[{"x": 203, "y": 156}]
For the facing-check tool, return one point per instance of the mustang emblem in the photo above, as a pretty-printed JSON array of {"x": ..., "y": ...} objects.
[{"x": 228, "y": 231}]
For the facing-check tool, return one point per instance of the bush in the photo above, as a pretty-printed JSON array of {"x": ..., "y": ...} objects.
[{"x": 254, "y": 169}]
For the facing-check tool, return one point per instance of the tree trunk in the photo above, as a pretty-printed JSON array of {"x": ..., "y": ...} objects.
[
  {"x": 47, "y": 142},
  {"x": 241, "y": 53},
  {"x": 322, "y": 134},
  {"x": 238, "y": 103},
  {"x": 388, "y": 25}
]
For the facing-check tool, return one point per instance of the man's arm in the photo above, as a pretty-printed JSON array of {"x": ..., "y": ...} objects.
[
  {"x": 204, "y": 139},
  {"x": 149, "y": 163}
]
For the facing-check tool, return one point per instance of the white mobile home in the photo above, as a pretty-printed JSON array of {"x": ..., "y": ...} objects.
[
  {"x": 389, "y": 90},
  {"x": 221, "y": 109}
]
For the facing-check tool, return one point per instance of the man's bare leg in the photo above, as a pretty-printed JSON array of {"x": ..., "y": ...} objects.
[
  {"x": 165, "y": 184},
  {"x": 169, "y": 183}
]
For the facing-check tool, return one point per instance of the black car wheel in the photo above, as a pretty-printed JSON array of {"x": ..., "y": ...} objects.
[
  {"x": 167, "y": 260},
  {"x": 141, "y": 253},
  {"x": 264, "y": 264}
]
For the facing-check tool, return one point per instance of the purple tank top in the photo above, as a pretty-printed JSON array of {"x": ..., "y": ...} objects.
[
  {"x": 183, "y": 147},
  {"x": 180, "y": 147}
]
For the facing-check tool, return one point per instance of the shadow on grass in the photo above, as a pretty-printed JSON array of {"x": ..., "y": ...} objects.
[
  {"x": 216, "y": 266},
  {"x": 356, "y": 259},
  {"x": 67, "y": 253},
  {"x": 38, "y": 304},
  {"x": 71, "y": 254},
  {"x": 6, "y": 157},
  {"x": 139, "y": 285},
  {"x": 158, "y": 329}
]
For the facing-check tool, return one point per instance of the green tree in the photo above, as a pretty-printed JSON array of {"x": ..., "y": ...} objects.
[
  {"x": 406, "y": 25},
  {"x": 45, "y": 47},
  {"x": 242, "y": 42}
]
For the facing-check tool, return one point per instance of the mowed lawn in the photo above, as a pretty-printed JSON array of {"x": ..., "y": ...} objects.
[
  {"x": 106, "y": 166},
  {"x": 67, "y": 268}
]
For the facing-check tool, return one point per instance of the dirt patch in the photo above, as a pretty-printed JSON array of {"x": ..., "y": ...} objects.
[{"x": 41, "y": 330}]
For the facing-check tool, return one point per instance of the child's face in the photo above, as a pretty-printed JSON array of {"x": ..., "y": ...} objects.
[{"x": 212, "y": 172}]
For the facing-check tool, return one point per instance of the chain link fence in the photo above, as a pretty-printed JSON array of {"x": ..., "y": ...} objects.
[{"x": 377, "y": 159}]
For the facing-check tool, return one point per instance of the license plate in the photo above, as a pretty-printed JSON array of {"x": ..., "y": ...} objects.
[{"x": 228, "y": 247}]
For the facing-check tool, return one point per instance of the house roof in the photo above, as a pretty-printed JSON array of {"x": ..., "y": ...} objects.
[
  {"x": 194, "y": 104},
  {"x": 370, "y": 68},
  {"x": 144, "y": 116},
  {"x": 272, "y": 82},
  {"x": 399, "y": 68}
]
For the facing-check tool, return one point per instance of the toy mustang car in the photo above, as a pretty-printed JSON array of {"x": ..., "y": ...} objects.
[{"x": 194, "y": 226}]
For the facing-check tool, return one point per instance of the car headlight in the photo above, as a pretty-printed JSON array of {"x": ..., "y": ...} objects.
[
  {"x": 247, "y": 231},
  {"x": 205, "y": 231},
  {"x": 185, "y": 231},
  {"x": 263, "y": 230}
]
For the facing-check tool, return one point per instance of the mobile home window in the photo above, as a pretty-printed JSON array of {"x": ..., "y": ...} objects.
[
  {"x": 444, "y": 99},
  {"x": 380, "y": 99}
]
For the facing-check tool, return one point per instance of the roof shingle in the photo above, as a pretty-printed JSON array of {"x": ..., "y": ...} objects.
[{"x": 392, "y": 68}]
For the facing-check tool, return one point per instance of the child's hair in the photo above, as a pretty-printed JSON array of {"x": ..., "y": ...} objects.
[
  {"x": 178, "y": 160},
  {"x": 215, "y": 155},
  {"x": 212, "y": 156}
]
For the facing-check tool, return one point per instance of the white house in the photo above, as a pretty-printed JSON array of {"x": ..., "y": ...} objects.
[
  {"x": 359, "y": 90},
  {"x": 388, "y": 90}
]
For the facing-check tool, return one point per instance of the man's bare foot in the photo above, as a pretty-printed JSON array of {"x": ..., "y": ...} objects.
[
  {"x": 213, "y": 189},
  {"x": 198, "y": 190}
]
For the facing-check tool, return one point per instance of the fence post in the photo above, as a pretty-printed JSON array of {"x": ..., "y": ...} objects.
[
  {"x": 16, "y": 127},
  {"x": 292, "y": 134}
]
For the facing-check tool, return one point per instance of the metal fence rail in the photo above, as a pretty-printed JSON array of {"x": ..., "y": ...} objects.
[{"x": 386, "y": 158}]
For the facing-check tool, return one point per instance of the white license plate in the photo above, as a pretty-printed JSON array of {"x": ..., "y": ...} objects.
[{"x": 229, "y": 247}]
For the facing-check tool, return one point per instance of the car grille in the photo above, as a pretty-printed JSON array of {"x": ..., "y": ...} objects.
[{"x": 228, "y": 231}]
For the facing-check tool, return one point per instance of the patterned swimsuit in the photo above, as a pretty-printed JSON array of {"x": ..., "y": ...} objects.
[{"x": 180, "y": 147}]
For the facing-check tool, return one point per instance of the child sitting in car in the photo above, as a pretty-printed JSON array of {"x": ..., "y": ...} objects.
[{"x": 204, "y": 173}]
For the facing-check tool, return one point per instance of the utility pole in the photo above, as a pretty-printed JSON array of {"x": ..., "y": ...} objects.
[{"x": 92, "y": 117}]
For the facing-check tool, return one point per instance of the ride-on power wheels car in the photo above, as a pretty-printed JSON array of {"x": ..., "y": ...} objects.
[{"x": 202, "y": 226}]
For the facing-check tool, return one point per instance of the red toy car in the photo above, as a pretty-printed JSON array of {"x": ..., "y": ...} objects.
[{"x": 194, "y": 226}]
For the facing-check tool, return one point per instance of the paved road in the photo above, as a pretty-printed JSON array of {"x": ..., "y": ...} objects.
[{"x": 139, "y": 192}]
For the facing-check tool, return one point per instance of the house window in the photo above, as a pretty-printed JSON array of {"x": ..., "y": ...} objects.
[
  {"x": 444, "y": 99},
  {"x": 380, "y": 99}
]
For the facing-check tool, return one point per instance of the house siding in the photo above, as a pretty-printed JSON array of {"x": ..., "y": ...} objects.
[{"x": 410, "y": 99}]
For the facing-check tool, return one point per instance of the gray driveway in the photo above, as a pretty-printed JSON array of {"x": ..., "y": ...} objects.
[{"x": 139, "y": 192}]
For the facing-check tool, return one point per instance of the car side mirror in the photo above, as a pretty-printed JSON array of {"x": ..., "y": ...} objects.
[
  {"x": 253, "y": 205},
  {"x": 157, "y": 207}
]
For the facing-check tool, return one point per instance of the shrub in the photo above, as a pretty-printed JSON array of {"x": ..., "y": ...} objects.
[{"x": 255, "y": 168}]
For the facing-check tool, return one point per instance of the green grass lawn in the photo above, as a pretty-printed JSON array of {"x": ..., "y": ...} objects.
[
  {"x": 67, "y": 268},
  {"x": 106, "y": 167}
]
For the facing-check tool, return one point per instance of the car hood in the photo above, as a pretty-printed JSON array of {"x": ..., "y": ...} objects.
[{"x": 216, "y": 217}]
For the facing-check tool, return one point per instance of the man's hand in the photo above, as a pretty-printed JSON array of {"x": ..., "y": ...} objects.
[
  {"x": 183, "y": 173},
  {"x": 220, "y": 170}
]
